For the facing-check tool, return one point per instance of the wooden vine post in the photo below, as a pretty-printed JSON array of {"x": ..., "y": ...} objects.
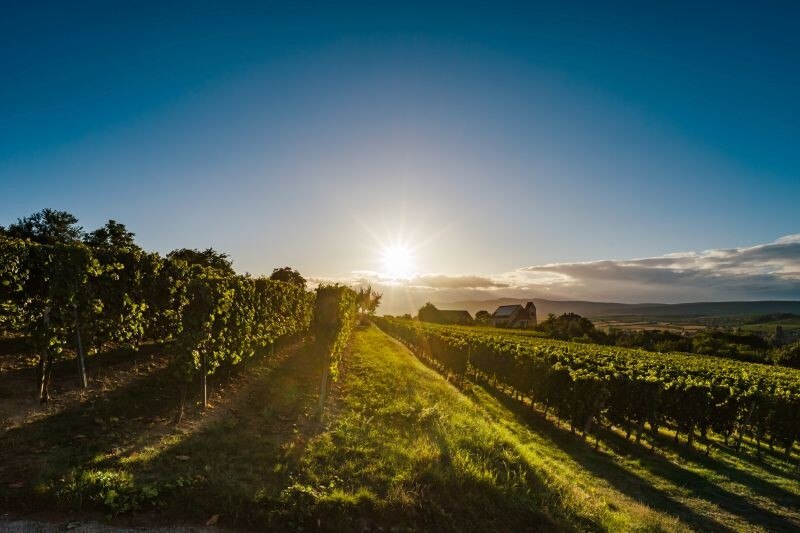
[
  {"x": 204, "y": 379},
  {"x": 81, "y": 356}
]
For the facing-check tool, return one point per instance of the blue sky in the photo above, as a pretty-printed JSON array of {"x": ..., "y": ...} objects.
[{"x": 490, "y": 137}]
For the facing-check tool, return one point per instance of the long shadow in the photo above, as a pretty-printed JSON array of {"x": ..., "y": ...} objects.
[
  {"x": 242, "y": 455},
  {"x": 65, "y": 369},
  {"x": 761, "y": 486},
  {"x": 451, "y": 497},
  {"x": 747, "y": 454},
  {"x": 49, "y": 447},
  {"x": 635, "y": 487},
  {"x": 92, "y": 434},
  {"x": 703, "y": 488}
]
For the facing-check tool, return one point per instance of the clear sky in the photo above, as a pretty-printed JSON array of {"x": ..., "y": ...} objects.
[{"x": 491, "y": 138}]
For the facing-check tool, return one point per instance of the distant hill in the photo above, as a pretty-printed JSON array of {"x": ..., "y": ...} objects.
[{"x": 607, "y": 309}]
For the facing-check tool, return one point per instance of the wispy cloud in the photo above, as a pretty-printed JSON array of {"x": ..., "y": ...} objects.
[{"x": 765, "y": 271}]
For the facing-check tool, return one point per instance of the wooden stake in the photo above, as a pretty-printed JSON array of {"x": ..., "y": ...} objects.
[
  {"x": 323, "y": 391},
  {"x": 81, "y": 356},
  {"x": 204, "y": 380}
]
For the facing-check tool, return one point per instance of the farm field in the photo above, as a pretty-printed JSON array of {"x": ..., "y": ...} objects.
[
  {"x": 746, "y": 323},
  {"x": 399, "y": 447},
  {"x": 637, "y": 323}
]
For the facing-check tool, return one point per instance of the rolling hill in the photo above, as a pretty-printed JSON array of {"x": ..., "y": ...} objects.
[{"x": 605, "y": 309}]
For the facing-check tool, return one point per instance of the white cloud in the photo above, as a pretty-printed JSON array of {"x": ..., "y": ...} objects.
[{"x": 765, "y": 271}]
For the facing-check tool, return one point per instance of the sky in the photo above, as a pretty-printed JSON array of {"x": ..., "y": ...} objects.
[{"x": 624, "y": 151}]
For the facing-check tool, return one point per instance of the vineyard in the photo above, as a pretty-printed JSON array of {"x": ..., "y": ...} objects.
[
  {"x": 589, "y": 385},
  {"x": 70, "y": 298},
  {"x": 115, "y": 342}
]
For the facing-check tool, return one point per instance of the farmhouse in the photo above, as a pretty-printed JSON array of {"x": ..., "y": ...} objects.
[
  {"x": 447, "y": 316},
  {"x": 429, "y": 313},
  {"x": 515, "y": 316}
]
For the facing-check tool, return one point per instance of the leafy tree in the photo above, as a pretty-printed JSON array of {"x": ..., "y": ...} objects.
[
  {"x": 789, "y": 355},
  {"x": 289, "y": 275},
  {"x": 48, "y": 226},
  {"x": 567, "y": 326},
  {"x": 112, "y": 235},
  {"x": 780, "y": 337},
  {"x": 483, "y": 317},
  {"x": 368, "y": 300},
  {"x": 428, "y": 312},
  {"x": 208, "y": 258}
]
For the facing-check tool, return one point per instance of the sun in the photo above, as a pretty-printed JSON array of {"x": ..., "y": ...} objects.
[{"x": 397, "y": 261}]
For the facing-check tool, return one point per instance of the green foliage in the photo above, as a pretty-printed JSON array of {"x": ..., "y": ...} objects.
[
  {"x": 483, "y": 317},
  {"x": 428, "y": 312},
  {"x": 123, "y": 295},
  {"x": 335, "y": 316},
  {"x": 113, "y": 490},
  {"x": 227, "y": 318},
  {"x": 48, "y": 226},
  {"x": 208, "y": 258},
  {"x": 289, "y": 275},
  {"x": 567, "y": 326},
  {"x": 788, "y": 355},
  {"x": 112, "y": 235},
  {"x": 368, "y": 300},
  {"x": 588, "y": 382}
]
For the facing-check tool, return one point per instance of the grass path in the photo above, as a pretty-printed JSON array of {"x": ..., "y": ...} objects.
[{"x": 407, "y": 448}]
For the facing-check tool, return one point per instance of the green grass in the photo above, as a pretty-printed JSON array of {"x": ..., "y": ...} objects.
[
  {"x": 400, "y": 448},
  {"x": 789, "y": 325}
]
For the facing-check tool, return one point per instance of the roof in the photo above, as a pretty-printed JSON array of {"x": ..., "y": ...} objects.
[
  {"x": 506, "y": 310},
  {"x": 453, "y": 314}
]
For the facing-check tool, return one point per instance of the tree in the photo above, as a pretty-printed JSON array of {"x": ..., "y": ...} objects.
[
  {"x": 289, "y": 275},
  {"x": 428, "y": 313},
  {"x": 112, "y": 235},
  {"x": 780, "y": 336},
  {"x": 567, "y": 326},
  {"x": 368, "y": 300},
  {"x": 208, "y": 258},
  {"x": 483, "y": 317},
  {"x": 48, "y": 226},
  {"x": 789, "y": 355}
]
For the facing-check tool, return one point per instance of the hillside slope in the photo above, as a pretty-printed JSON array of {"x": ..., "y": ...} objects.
[
  {"x": 400, "y": 448},
  {"x": 407, "y": 449}
]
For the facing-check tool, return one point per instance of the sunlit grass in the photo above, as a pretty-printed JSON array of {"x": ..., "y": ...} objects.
[
  {"x": 429, "y": 455},
  {"x": 400, "y": 447}
]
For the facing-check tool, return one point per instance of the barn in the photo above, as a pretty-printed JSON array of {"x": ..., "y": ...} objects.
[{"x": 515, "y": 316}]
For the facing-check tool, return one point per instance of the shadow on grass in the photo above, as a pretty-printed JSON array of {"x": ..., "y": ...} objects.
[
  {"x": 638, "y": 488},
  {"x": 129, "y": 430},
  {"x": 242, "y": 458},
  {"x": 65, "y": 368},
  {"x": 47, "y": 448},
  {"x": 761, "y": 486},
  {"x": 773, "y": 462},
  {"x": 405, "y": 454}
]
